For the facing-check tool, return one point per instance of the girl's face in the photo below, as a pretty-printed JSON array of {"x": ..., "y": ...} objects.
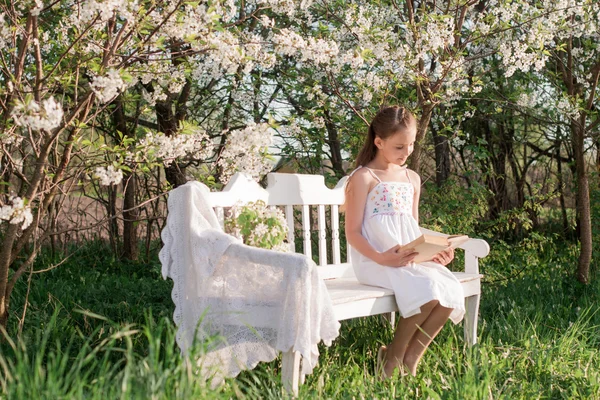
[{"x": 396, "y": 148}]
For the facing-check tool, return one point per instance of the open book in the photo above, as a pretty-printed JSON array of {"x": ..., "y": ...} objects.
[{"x": 429, "y": 245}]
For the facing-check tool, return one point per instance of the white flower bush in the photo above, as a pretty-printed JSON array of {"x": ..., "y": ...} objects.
[{"x": 258, "y": 225}]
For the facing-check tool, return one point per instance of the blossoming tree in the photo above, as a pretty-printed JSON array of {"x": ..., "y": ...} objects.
[
  {"x": 199, "y": 79},
  {"x": 559, "y": 39},
  {"x": 431, "y": 53},
  {"x": 65, "y": 65}
]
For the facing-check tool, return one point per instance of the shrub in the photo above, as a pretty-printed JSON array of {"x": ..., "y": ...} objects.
[{"x": 258, "y": 225}]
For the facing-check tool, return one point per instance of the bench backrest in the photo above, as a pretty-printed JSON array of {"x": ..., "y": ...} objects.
[
  {"x": 307, "y": 193},
  {"x": 315, "y": 201}
]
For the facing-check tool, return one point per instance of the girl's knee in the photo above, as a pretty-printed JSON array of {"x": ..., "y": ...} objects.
[{"x": 431, "y": 305}]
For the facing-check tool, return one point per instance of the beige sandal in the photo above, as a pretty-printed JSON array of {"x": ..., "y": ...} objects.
[{"x": 380, "y": 371}]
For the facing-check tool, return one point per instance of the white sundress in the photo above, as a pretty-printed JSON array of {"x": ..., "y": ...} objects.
[{"x": 388, "y": 221}]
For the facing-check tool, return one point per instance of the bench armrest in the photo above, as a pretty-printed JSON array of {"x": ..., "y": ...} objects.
[
  {"x": 474, "y": 250},
  {"x": 261, "y": 256}
]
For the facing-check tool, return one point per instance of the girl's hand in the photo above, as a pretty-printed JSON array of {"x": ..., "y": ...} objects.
[
  {"x": 444, "y": 257},
  {"x": 397, "y": 256}
]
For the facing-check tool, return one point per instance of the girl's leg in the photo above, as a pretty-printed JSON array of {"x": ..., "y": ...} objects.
[
  {"x": 423, "y": 337},
  {"x": 405, "y": 331}
]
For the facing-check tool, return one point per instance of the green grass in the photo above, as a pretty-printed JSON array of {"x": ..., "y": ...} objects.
[{"x": 99, "y": 328}]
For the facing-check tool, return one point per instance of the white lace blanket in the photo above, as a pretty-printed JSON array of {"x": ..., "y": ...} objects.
[{"x": 245, "y": 304}]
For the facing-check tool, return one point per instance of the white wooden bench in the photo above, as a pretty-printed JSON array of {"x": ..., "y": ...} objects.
[{"x": 309, "y": 195}]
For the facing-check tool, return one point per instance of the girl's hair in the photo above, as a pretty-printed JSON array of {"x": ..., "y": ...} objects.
[{"x": 388, "y": 121}]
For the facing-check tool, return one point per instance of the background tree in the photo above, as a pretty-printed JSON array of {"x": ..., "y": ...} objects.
[
  {"x": 63, "y": 66},
  {"x": 560, "y": 40}
]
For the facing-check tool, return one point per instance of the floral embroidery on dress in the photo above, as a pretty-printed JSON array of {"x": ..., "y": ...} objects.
[{"x": 394, "y": 198}]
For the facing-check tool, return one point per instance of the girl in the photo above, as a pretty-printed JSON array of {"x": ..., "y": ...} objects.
[{"x": 382, "y": 214}]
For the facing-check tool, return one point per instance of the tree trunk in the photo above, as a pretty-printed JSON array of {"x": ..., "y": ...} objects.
[
  {"x": 583, "y": 203},
  {"x": 442, "y": 158},
  {"x": 113, "y": 224},
  {"x": 3, "y": 316},
  {"x": 167, "y": 123},
  {"x": 333, "y": 141},
  {"x": 494, "y": 167},
  {"x": 5, "y": 256},
  {"x": 561, "y": 188},
  {"x": 7, "y": 252},
  {"x": 130, "y": 216},
  {"x": 422, "y": 125},
  {"x": 130, "y": 212}
]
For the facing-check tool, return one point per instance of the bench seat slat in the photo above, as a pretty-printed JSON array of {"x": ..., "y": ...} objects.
[{"x": 348, "y": 290}]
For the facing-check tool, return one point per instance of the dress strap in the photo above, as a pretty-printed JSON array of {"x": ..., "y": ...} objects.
[
  {"x": 408, "y": 176},
  {"x": 373, "y": 173},
  {"x": 355, "y": 169}
]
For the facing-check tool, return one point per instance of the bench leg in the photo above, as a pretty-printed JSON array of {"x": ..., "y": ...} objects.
[
  {"x": 472, "y": 312},
  {"x": 391, "y": 318},
  {"x": 290, "y": 371}
]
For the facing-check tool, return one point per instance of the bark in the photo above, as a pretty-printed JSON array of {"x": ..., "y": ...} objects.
[
  {"x": 130, "y": 217},
  {"x": 561, "y": 189},
  {"x": 130, "y": 212},
  {"x": 578, "y": 132},
  {"x": 333, "y": 141},
  {"x": 171, "y": 112},
  {"x": 442, "y": 158},
  {"x": 167, "y": 123},
  {"x": 422, "y": 126},
  {"x": 113, "y": 225},
  {"x": 5, "y": 255},
  {"x": 495, "y": 171},
  {"x": 583, "y": 204}
]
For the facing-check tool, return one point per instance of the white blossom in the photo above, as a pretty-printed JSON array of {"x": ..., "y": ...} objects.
[
  {"x": 267, "y": 225},
  {"x": 16, "y": 212},
  {"x": 87, "y": 10},
  {"x": 319, "y": 51},
  {"x": 46, "y": 116},
  {"x": 10, "y": 137},
  {"x": 108, "y": 175},
  {"x": 318, "y": 122},
  {"x": 458, "y": 142},
  {"x": 39, "y": 5},
  {"x": 169, "y": 148},
  {"x": 261, "y": 230},
  {"x": 438, "y": 34},
  {"x": 246, "y": 150},
  {"x": 5, "y": 32},
  {"x": 283, "y": 247},
  {"x": 109, "y": 86},
  {"x": 266, "y": 21},
  {"x": 565, "y": 107}
]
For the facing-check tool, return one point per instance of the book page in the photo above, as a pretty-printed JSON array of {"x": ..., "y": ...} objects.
[
  {"x": 457, "y": 240},
  {"x": 427, "y": 251}
]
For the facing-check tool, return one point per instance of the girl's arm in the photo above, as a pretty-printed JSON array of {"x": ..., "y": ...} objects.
[
  {"x": 416, "y": 181},
  {"x": 445, "y": 256},
  {"x": 356, "y": 198}
]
